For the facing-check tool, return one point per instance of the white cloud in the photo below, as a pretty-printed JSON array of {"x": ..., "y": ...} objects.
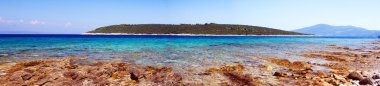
[
  {"x": 37, "y": 22},
  {"x": 34, "y": 22},
  {"x": 11, "y": 21},
  {"x": 1, "y": 20},
  {"x": 21, "y": 21},
  {"x": 68, "y": 24}
]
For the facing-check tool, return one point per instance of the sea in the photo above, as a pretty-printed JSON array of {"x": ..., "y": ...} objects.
[{"x": 169, "y": 50}]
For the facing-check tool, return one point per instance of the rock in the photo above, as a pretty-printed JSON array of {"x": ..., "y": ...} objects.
[
  {"x": 134, "y": 76},
  {"x": 268, "y": 68},
  {"x": 307, "y": 77},
  {"x": 337, "y": 77},
  {"x": 296, "y": 65},
  {"x": 2, "y": 74},
  {"x": 302, "y": 65},
  {"x": 365, "y": 74},
  {"x": 70, "y": 74},
  {"x": 355, "y": 83},
  {"x": 323, "y": 83},
  {"x": 367, "y": 81},
  {"x": 346, "y": 48},
  {"x": 333, "y": 81},
  {"x": 355, "y": 76},
  {"x": 331, "y": 45},
  {"x": 377, "y": 76},
  {"x": 4, "y": 55},
  {"x": 280, "y": 74},
  {"x": 7, "y": 65},
  {"x": 63, "y": 71},
  {"x": 377, "y": 82},
  {"x": 315, "y": 78},
  {"x": 296, "y": 76}
]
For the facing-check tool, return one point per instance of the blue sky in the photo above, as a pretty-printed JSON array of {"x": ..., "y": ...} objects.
[{"x": 77, "y": 16}]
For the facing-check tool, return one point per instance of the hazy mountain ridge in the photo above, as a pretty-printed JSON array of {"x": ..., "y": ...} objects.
[
  {"x": 18, "y": 32},
  {"x": 329, "y": 30}
]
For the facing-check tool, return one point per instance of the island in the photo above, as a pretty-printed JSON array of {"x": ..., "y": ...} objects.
[{"x": 190, "y": 29}]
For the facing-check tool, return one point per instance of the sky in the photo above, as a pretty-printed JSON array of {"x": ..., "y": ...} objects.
[{"x": 78, "y": 16}]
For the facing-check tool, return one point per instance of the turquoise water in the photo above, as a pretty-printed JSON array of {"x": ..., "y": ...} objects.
[{"x": 181, "y": 51}]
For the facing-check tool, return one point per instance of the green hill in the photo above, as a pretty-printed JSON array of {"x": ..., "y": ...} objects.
[{"x": 208, "y": 28}]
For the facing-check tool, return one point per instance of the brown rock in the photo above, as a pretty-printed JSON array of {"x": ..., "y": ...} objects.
[
  {"x": 70, "y": 74},
  {"x": 26, "y": 76},
  {"x": 346, "y": 48},
  {"x": 377, "y": 76},
  {"x": 367, "y": 81},
  {"x": 235, "y": 75},
  {"x": 355, "y": 76},
  {"x": 296, "y": 65},
  {"x": 134, "y": 77},
  {"x": 280, "y": 74},
  {"x": 331, "y": 56},
  {"x": 296, "y": 76},
  {"x": 64, "y": 72},
  {"x": 228, "y": 68},
  {"x": 240, "y": 79},
  {"x": 302, "y": 64},
  {"x": 337, "y": 77}
]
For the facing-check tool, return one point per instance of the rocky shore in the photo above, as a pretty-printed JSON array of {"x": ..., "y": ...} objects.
[
  {"x": 351, "y": 66},
  {"x": 63, "y": 71},
  {"x": 348, "y": 66}
]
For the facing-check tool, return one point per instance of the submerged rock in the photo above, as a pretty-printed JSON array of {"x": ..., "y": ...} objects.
[
  {"x": 302, "y": 65},
  {"x": 296, "y": 65},
  {"x": 331, "y": 56},
  {"x": 355, "y": 76},
  {"x": 4, "y": 55},
  {"x": 228, "y": 68}
]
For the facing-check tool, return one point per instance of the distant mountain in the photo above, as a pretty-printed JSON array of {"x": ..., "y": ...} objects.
[
  {"x": 208, "y": 28},
  {"x": 329, "y": 30}
]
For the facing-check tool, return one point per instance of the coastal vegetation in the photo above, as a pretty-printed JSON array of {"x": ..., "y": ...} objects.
[{"x": 208, "y": 28}]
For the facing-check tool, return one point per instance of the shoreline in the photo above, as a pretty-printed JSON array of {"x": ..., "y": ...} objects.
[
  {"x": 346, "y": 61},
  {"x": 187, "y": 34},
  {"x": 277, "y": 72}
]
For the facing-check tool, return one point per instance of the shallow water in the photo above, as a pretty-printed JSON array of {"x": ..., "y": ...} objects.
[{"x": 182, "y": 52}]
